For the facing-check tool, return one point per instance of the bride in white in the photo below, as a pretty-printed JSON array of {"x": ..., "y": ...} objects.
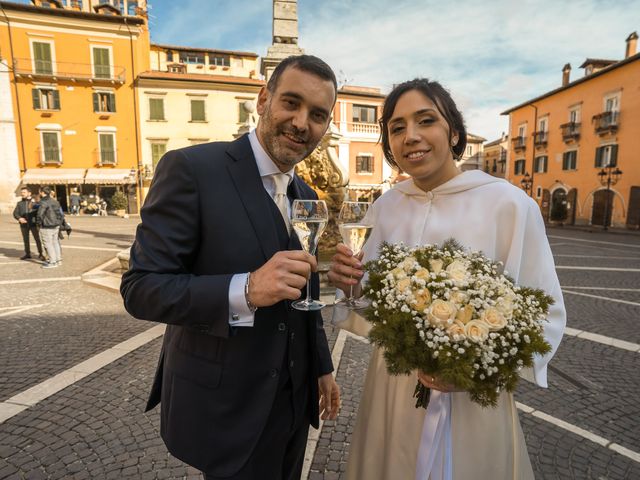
[{"x": 422, "y": 134}]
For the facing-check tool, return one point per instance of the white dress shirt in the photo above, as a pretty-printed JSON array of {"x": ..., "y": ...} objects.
[{"x": 239, "y": 313}]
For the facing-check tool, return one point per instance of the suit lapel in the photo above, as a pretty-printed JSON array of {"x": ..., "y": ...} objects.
[{"x": 246, "y": 178}]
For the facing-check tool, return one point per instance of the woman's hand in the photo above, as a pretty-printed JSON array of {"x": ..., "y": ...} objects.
[
  {"x": 346, "y": 270},
  {"x": 434, "y": 383}
]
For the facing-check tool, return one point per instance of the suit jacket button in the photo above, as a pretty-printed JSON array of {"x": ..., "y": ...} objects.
[
  {"x": 273, "y": 372},
  {"x": 293, "y": 335},
  {"x": 291, "y": 364},
  {"x": 282, "y": 327}
]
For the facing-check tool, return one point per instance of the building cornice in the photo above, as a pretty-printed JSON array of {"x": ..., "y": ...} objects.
[
  {"x": 59, "y": 12},
  {"x": 204, "y": 50}
]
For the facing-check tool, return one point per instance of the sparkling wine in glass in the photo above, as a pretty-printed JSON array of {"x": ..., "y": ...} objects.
[
  {"x": 355, "y": 229},
  {"x": 309, "y": 219}
]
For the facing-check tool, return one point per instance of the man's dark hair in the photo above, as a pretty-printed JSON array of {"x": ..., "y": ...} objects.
[
  {"x": 25, "y": 188},
  {"x": 443, "y": 102},
  {"x": 306, "y": 63},
  {"x": 46, "y": 190}
]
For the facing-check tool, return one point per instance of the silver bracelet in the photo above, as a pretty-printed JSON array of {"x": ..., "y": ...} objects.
[{"x": 250, "y": 305}]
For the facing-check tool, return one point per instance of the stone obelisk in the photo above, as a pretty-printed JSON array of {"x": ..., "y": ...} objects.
[{"x": 285, "y": 36}]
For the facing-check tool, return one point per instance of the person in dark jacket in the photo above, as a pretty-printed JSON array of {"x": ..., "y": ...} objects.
[
  {"x": 49, "y": 219},
  {"x": 25, "y": 214}
]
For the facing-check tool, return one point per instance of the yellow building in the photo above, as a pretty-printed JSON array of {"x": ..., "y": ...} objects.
[
  {"x": 194, "y": 95},
  {"x": 495, "y": 156},
  {"x": 575, "y": 148},
  {"x": 356, "y": 116},
  {"x": 74, "y": 65}
]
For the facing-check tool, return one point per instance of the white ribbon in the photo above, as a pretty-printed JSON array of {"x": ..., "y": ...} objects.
[{"x": 434, "y": 452}]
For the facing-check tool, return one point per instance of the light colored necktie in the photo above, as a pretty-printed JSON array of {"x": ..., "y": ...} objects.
[{"x": 281, "y": 182}]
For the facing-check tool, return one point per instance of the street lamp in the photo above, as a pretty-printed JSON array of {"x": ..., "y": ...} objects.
[
  {"x": 527, "y": 183},
  {"x": 608, "y": 176}
]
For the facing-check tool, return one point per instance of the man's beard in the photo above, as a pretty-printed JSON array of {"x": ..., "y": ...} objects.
[{"x": 280, "y": 154}]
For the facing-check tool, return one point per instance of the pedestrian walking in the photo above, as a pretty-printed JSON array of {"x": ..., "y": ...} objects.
[
  {"x": 75, "y": 200},
  {"x": 49, "y": 219},
  {"x": 25, "y": 214}
]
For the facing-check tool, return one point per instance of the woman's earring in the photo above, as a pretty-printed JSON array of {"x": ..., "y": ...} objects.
[{"x": 454, "y": 142}]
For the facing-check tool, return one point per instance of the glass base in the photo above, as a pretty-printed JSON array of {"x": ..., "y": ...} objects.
[
  {"x": 352, "y": 303},
  {"x": 308, "y": 306}
]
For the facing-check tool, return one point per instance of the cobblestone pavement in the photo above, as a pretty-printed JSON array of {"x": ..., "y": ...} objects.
[{"x": 96, "y": 428}]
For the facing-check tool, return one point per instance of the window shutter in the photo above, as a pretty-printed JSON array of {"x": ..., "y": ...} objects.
[
  {"x": 96, "y": 102},
  {"x": 35, "y": 93},
  {"x": 111, "y": 102},
  {"x": 197, "y": 111},
  {"x": 599, "y": 151},
  {"x": 614, "y": 155},
  {"x": 546, "y": 163},
  {"x": 56, "y": 99}
]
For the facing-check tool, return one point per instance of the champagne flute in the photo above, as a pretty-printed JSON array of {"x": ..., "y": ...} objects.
[
  {"x": 355, "y": 230},
  {"x": 309, "y": 219}
]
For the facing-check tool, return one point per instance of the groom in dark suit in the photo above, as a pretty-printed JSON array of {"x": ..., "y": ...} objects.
[{"x": 241, "y": 374}]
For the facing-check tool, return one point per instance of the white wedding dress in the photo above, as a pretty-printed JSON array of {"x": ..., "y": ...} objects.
[{"x": 454, "y": 438}]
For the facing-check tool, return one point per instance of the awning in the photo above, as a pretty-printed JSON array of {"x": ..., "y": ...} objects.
[
  {"x": 110, "y": 176},
  {"x": 53, "y": 176}
]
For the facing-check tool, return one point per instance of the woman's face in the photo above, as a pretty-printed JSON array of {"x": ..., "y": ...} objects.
[{"x": 419, "y": 141}]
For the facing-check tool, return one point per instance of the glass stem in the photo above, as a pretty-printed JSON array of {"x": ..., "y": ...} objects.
[
  {"x": 309, "y": 299},
  {"x": 350, "y": 292}
]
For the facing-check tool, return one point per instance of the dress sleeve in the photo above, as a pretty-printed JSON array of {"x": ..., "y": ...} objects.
[{"x": 531, "y": 262}]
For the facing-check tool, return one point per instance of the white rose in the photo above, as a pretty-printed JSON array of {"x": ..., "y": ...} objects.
[
  {"x": 506, "y": 305},
  {"x": 441, "y": 313},
  {"x": 422, "y": 299},
  {"x": 456, "y": 328},
  {"x": 422, "y": 274},
  {"x": 476, "y": 330},
  {"x": 403, "y": 284},
  {"x": 436, "y": 265},
  {"x": 459, "y": 297},
  {"x": 457, "y": 271},
  {"x": 465, "y": 314},
  {"x": 493, "y": 318},
  {"x": 398, "y": 273},
  {"x": 408, "y": 263}
]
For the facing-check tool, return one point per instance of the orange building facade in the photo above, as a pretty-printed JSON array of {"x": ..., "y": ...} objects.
[
  {"x": 575, "y": 149},
  {"x": 73, "y": 71}
]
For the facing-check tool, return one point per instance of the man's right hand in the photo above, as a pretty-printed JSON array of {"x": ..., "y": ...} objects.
[
  {"x": 282, "y": 278},
  {"x": 22, "y": 220}
]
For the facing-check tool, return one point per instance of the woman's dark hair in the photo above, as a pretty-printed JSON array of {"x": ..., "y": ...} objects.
[{"x": 443, "y": 102}]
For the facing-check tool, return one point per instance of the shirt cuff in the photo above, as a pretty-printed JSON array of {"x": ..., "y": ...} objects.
[{"x": 239, "y": 313}]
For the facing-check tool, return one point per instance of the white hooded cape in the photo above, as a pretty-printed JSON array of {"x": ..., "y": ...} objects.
[{"x": 458, "y": 439}]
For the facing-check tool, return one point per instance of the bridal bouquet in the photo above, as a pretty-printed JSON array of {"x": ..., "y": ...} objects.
[{"x": 455, "y": 315}]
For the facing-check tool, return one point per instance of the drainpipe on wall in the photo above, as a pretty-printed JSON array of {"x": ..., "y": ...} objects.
[{"x": 135, "y": 113}]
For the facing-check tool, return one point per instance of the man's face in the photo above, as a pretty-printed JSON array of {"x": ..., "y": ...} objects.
[
  {"x": 295, "y": 117},
  {"x": 25, "y": 193}
]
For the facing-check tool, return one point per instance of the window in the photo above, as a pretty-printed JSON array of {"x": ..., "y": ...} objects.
[
  {"x": 542, "y": 125},
  {"x": 522, "y": 131},
  {"x": 569, "y": 160},
  {"x": 541, "y": 164},
  {"x": 46, "y": 98},
  {"x": 101, "y": 62},
  {"x": 192, "y": 57},
  {"x": 612, "y": 104},
  {"x": 574, "y": 115},
  {"x": 606, "y": 156},
  {"x": 42, "y": 58},
  {"x": 104, "y": 102},
  {"x": 364, "y": 164},
  {"x": 107, "y": 143},
  {"x": 494, "y": 167},
  {"x": 219, "y": 60},
  {"x": 469, "y": 150},
  {"x": 177, "y": 68},
  {"x": 156, "y": 109},
  {"x": 158, "y": 149},
  {"x": 51, "y": 148},
  {"x": 364, "y": 114},
  {"x": 197, "y": 111},
  {"x": 538, "y": 192},
  {"x": 519, "y": 167}
]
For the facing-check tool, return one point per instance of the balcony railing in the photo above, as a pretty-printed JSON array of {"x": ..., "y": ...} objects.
[
  {"x": 360, "y": 127},
  {"x": 25, "y": 67},
  {"x": 606, "y": 122},
  {"x": 540, "y": 139},
  {"x": 519, "y": 143},
  {"x": 570, "y": 131},
  {"x": 49, "y": 156}
]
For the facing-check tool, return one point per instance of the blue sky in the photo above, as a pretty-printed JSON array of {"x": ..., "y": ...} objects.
[{"x": 490, "y": 54}]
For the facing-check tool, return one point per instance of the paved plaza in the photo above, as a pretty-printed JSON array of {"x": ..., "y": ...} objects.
[{"x": 75, "y": 368}]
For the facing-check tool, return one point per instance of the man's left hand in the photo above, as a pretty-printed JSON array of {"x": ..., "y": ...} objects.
[{"x": 329, "y": 397}]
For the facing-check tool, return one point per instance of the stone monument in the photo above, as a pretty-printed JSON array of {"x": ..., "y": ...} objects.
[{"x": 284, "y": 37}]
